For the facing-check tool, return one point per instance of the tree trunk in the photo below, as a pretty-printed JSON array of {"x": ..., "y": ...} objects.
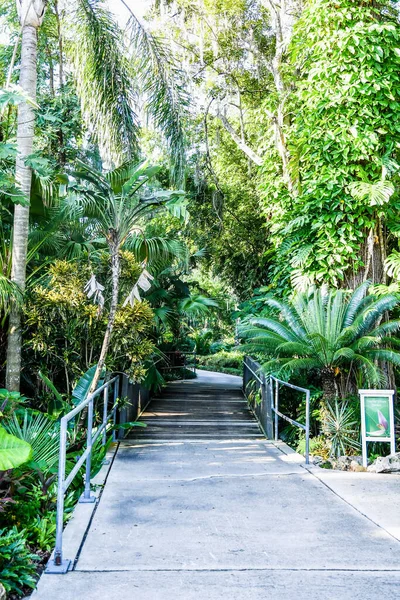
[
  {"x": 114, "y": 245},
  {"x": 329, "y": 385},
  {"x": 31, "y": 14},
  {"x": 373, "y": 252},
  {"x": 283, "y": 17}
]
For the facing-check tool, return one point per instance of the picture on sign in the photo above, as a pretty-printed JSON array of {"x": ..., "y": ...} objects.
[{"x": 377, "y": 416}]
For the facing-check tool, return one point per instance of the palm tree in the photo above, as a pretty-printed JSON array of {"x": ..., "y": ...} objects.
[
  {"x": 31, "y": 14},
  {"x": 107, "y": 78},
  {"x": 114, "y": 208},
  {"x": 330, "y": 331}
]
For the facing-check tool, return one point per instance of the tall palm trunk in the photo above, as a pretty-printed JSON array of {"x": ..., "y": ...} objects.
[
  {"x": 114, "y": 245},
  {"x": 31, "y": 15}
]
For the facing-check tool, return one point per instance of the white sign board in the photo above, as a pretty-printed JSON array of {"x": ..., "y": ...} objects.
[{"x": 377, "y": 419}]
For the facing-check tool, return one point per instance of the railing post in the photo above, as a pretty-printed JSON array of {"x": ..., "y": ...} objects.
[
  {"x": 116, "y": 391},
  {"x": 86, "y": 496},
  {"x": 245, "y": 374},
  {"x": 266, "y": 394},
  {"x": 307, "y": 427},
  {"x": 105, "y": 409},
  {"x": 276, "y": 409},
  {"x": 60, "y": 564},
  {"x": 123, "y": 412}
]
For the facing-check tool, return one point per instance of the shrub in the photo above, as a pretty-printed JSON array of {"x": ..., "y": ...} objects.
[
  {"x": 223, "y": 359},
  {"x": 17, "y": 563},
  {"x": 318, "y": 447},
  {"x": 340, "y": 426},
  {"x": 339, "y": 335}
]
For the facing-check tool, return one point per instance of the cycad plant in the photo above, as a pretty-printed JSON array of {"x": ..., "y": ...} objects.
[{"x": 336, "y": 333}]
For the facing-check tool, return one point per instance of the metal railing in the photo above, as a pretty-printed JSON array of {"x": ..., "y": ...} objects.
[
  {"x": 174, "y": 358},
  {"x": 275, "y": 409},
  {"x": 267, "y": 409},
  {"x": 59, "y": 564}
]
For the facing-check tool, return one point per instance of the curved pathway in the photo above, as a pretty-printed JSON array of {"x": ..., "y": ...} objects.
[{"x": 200, "y": 506}]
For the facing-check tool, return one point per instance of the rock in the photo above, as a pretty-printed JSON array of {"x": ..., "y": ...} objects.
[
  {"x": 3, "y": 594},
  {"x": 349, "y": 463},
  {"x": 356, "y": 467},
  {"x": 358, "y": 459},
  {"x": 386, "y": 464},
  {"x": 317, "y": 460},
  {"x": 343, "y": 463}
]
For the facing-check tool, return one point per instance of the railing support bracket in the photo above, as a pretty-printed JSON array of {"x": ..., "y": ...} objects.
[
  {"x": 89, "y": 500},
  {"x": 61, "y": 569}
]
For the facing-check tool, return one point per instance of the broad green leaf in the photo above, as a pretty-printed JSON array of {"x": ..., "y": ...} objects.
[
  {"x": 81, "y": 389},
  {"x": 13, "y": 451}
]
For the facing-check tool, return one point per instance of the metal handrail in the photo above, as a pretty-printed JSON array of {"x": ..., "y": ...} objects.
[
  {"x": 185, "y": 364},
  {"x": 275, "y": 409},
  {"x": 59, "y": 564},
  {"x": 272, "y": 408}
]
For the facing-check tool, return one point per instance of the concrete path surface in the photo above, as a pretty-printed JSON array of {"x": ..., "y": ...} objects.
[{"x": 200, "y": 506}]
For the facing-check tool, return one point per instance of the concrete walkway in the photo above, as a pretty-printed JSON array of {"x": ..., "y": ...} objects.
[{"x": 200, "y": 506}]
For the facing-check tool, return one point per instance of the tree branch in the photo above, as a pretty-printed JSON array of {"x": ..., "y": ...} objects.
[{"x": 258, "y": 160}]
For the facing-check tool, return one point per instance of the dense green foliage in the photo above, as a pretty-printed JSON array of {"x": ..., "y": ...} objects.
[
  {"x": 268, "y": 223},
  {"x": 343, "y": 139},
  {"x": 338, "y": 335}
]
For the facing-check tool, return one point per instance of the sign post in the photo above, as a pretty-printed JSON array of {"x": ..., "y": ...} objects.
[{"x": 377, "y": 419}]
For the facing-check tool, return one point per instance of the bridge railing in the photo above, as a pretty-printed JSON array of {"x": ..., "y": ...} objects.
[
  {"x": 59, "y": 564},
  {"x": 263, "y": 393},
  {"x": 178, "y": 361}
]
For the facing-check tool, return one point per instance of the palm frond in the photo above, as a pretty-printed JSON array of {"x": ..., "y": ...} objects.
[
  {"x": 103, "y": 79},
  {"x": 41, "y": 433},
  {"x": 354, "y": 302},
  {"x": 197, "y": 304},
  {"x": 10, "y": 292},
  {"x": 156, "y": 251},
  {"x": 164, "y": 86},
  {"x": 275, "y": 326}
]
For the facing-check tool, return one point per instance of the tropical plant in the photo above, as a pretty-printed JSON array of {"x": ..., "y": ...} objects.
[
  {"x": 13, "y": 451},
  {"x": 17, "y": 563},
  {"x": 229, "y": 362},
  {"x": 341, "y": 427},
  {"x": 65, "y": 329},
  {"x": 9, "y": 401},
  {"x": 332, "y": 332},
  {"x": 41, "y": 433},
  {"x": 115, "y": 206},
  {"x": 197, "y": 304},
  {"x": 202, "y": 340},
  {"x": 318, "y": 446},
  {"x": 106, "y": 76}
]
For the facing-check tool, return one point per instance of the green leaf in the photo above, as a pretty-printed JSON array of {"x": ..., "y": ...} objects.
[
  {"x": 13, "y": 451},
  {"x": 129, "y": 425},
  {"x": 81, "y": 389},
  {"x": 8, "y": 151}
]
